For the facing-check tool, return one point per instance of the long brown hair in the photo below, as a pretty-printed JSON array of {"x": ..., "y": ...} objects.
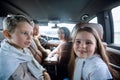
[
  {"x": 100, "y": 50},
  {"x": 66, "y": 32}
]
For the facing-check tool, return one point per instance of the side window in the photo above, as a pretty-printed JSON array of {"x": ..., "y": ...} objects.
[{"x": 116, "y": 21}]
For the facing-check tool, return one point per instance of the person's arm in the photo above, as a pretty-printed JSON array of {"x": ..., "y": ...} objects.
[
  {"x": 55, "y": 51},
  {"x": 41, "y": 48},
  {"x": 39, "y": 45},
  {"x": 52, "y": 44},
  {"x": 46, "y": 76}
]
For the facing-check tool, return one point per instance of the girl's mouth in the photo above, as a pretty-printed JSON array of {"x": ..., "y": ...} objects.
[{"x": 82, "y": 51}]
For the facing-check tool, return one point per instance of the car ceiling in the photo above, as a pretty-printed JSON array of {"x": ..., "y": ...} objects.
[{"x": 55, "y": 10}]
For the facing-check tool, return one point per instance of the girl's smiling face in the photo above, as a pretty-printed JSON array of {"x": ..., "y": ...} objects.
[{"x": 85, "y": 44}]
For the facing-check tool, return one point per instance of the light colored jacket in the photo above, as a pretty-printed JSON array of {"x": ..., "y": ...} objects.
[
  {"x": 11, "y": 58},
  {"x": 93, "y": 68}
]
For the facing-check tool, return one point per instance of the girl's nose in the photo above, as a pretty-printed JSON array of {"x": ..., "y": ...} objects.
[{"x": 83, "y": 45}]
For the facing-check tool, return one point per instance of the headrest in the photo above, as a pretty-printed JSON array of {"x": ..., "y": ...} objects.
[{"x": 97, "y": 27}]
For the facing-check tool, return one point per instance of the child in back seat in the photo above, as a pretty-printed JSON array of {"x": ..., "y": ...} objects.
[
  {"x": 16, "y": 63},
  {"x": 88, "y": 58}
]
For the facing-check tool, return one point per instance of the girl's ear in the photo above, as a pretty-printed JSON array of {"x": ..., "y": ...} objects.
[{"x": 6, "y": 34}]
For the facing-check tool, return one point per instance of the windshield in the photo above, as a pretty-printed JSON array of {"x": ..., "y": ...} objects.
[{"x": 52, "y": 32}]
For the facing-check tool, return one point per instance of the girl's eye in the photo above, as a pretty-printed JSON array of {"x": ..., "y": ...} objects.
[
  {"x": 88, "y": 42},
  {"x": 77, "y": 42},
  {"x": 25, "y": 33}
]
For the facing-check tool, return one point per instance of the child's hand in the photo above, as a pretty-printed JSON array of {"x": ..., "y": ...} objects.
[{"x": 46, "y": 76}]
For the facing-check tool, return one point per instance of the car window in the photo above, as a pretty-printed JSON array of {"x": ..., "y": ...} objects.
[
  {"x": 94, "y": 20},
  {"x": 52, "y": 32},
  {"x": 116, "y": 21}
]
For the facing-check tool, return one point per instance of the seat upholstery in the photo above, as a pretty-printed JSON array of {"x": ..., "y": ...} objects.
[{"x": 97, "y": 27}]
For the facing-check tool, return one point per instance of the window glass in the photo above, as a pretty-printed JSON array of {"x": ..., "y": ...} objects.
[
  {"x": 48, "y": 30},
  {"x": 52, "y": 32},
  {"x": 116, "y": 21},
  {"x": 94, "y": 20}
]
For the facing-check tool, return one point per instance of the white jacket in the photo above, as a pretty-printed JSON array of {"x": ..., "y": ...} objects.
[
  {"x": 10, "y": 58},
  {"x": 92, "y": 68}
]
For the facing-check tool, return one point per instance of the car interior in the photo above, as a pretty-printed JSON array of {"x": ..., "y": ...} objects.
[
  {"x": 70, "y": 12},
  {"x": 57, "y": 10}
]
